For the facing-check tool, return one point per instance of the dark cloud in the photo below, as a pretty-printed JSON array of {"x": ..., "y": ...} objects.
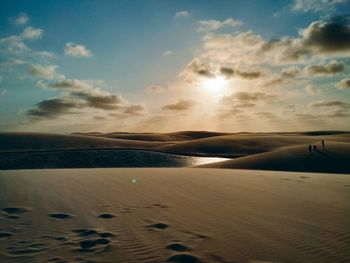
[
  {"x": 181, "y": 105},
  {"x": 322, "y": 37},
  {"x": 326, "y": 69},
  {"x": 344, "y": 84},
  {"x": 330, "y": 103},
  {"x": 86, "y": 90},
  {"x": 99, "y": 100},
  {"x": 206, "y": 73},
  {"x": 252, "y": 96},
  {"x": 249, "y": 74},
  {"x": 332, "y": 35},
  {"x": 51, "y": 108},
  {"x": 227, "y": 72},
  {"x": 200, "y": 68}
]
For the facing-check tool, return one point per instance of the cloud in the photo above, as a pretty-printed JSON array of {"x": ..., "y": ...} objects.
[
  {"x": 330, "y": 68},
  {"x": 72, "y": 84},
  {"x": 88, "y": 91},
  {"x": 328, "y": 36},
  {"x": 55, "y": 107},
  {"x": 9, "y": 64},
  {"x": 76, "y": 50},
  {"x": 249, "y": 74},
  {"x": 331, "y": 108},
  {"x": 243, "y": 99},
  {"x": 266, "y": 115},
  {"x": 182, "y": 14},
  {"x": 3, "y": 92},
  {"x": 305, "y": 6},
  {"x": 155, "y": 89},
  {"x": 198, "y": 68},
  {"x": 21, "y": 20},
  {"x": 47, "y": 71},
  {"x": 290, "y": 72},
  {"x": 212, "y": 25},
  {"x": 330, "y": 103},
  {"x": 181, "y": 105},
  {"x": 13, "y": 45},
  {"x": 32, "y": 33},
  {"x": 79, "y": 96},
  {"x": 344, "y": 84},
  {"x": 252, "y": 96},
  {"x": 134, "y": 110},
  {"x": 167, "y": 53},
  {"x": 311, "y": 90},
  {"x": 100, "y": 100},
  {"x": 227, "y": 72}
]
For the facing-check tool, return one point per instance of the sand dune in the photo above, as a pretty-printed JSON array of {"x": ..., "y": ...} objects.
[
  {"x": 173, "y": 215},
  {"x": 250, "y": 150},
  {"x": 235, "y": 145},
  {"x": 44, "y": 141},
  {"x": 335, "y": 158},
  {"x": 173, "y": 136}
]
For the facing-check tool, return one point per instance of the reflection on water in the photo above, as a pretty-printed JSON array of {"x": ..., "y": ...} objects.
[
  {"x": 206, "y": 160},
  {"x": 98, "y": 159}
]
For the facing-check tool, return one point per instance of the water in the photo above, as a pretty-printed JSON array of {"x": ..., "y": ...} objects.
[{"x": 98, "y": 159}]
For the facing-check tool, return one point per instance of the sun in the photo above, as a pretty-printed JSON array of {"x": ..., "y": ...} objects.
[{"x": 215, "y": 84}]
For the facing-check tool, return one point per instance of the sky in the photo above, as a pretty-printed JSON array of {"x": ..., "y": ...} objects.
[{"x": 163, "y": 66}]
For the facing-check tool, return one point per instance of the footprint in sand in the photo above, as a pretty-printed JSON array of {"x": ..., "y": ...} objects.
[
  {"x": 178, "y": 247},
  {"x": 158, "y": 205},
  {"x": 15, "y": 210},
  {"x": 183, "y": 258},
  {"x": 92, "y": 232},
  {"x": 60, "y": 216},
  {"x": 92, "y": 241},
  {"x": 106, "y": 216},
  {"x": 5, "y": 235},
  {"x": 158, "y": 226}
]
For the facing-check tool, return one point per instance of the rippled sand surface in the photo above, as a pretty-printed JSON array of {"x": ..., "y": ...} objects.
[{"x": 173, "y": 215}]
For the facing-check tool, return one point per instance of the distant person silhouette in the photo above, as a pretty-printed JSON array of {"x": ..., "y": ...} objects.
[
  {"x": 322, "y": 144},
  {"x": 310, "y": 148},
  {"x": 315, "y": 148}
]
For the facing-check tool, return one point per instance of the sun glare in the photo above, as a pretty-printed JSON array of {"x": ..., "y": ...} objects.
[{"x": 215, "y": 84}]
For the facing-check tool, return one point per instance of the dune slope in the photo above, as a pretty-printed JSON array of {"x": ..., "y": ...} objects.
[{"x": 335, "y": 158}]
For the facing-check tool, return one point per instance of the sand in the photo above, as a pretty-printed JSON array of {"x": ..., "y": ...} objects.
[
  {"x": 259, "y": 151},
  {"x": 173, "y": 215},
  {"x": 335, "y": 158}
]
